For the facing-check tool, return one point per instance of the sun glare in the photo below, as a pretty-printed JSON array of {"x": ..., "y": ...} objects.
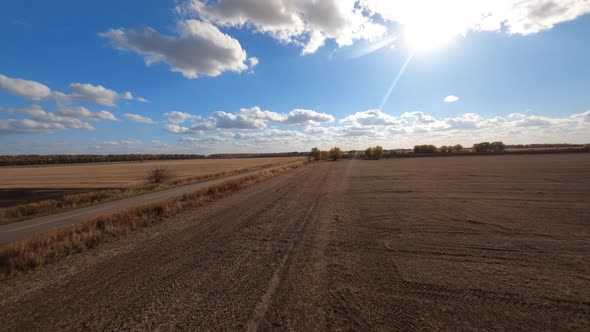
[
  {"x": 426, "y": 30},
  {"x": 420, "y": 37}
]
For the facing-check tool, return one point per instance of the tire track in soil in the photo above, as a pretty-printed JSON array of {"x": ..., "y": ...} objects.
[{"x": 263, "y": 306}]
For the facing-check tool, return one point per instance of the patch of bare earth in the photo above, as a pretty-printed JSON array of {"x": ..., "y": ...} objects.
[{"x": 431, "y": 243}]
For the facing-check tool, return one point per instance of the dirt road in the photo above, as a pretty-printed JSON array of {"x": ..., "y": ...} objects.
[
  {"x": 480, "y": 243},
  {"x": 23, "y": 229}
]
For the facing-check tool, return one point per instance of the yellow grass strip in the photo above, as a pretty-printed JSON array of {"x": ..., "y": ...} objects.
[{"x": 48, "y": 247}]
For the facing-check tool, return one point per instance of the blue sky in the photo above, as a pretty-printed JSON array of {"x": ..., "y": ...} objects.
[{"x": 285, "y": 75}]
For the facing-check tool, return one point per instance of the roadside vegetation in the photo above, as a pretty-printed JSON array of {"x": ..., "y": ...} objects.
[
  {"x": 53, "y": 245},
  {"x": 158, "y": 178}
]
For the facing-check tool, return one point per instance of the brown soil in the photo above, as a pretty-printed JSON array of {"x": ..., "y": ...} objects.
[{"x": 439, "y": 243}]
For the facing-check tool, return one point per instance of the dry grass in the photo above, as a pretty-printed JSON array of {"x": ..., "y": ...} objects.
[
  {"x": 122, "y": 174},
  {"x": 30, "y": 210},
  {"x": 53, "y": 245}
]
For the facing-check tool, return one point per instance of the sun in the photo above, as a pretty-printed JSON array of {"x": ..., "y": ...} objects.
[
  {"x": 425, "y": 37},
  {"x": 425, "y": 31}
]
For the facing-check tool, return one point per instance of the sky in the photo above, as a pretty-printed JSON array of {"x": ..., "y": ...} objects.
[{"x": 224, "y": 76}]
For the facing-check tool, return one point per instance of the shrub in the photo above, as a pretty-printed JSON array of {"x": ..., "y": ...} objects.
[
  {"x": 335, "y": 153},
  {"x": 158, "y": 175}
]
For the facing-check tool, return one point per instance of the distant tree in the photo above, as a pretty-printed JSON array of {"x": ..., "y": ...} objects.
[
  {"x": 482, "y": 147},
  {"x": 369, "y": 153},
  {"x": 158, "y": 175},
  {"x": 444, "y": 149},
  {"x": 489, "y": 147},
  {"x": 378, "y": 152},
  {"x": 498, "y": 146},
  {"x": 426, "y": 148},
  {"x": 457, "y": 148},
  {"x": 324, "y": 155},
  {"x": 335, "y": 153},
  {"x": 315, "y": 154},
  {"x": 374, "y": 153}
]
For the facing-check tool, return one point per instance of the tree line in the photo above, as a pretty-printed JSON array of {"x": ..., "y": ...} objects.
[
  {"x": 33, "y": 159},
  {"x": 377, "y": 152},
  {"x": 333, "y": 154}
]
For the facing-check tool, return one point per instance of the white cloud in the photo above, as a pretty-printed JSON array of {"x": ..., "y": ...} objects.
[
  {"x": 175, "y": 129},
  {"x": 309, "y": 23},
  {"x": 39, "y": 114},
  {"x": 24, "y": 88},
  {"x": 453, "y": 17},
  {"x": 83, "y": 112},
  {"x": 225, "y": 120},
  {"x": 142, "y": 100},
  {"x": 138, "y": 118},
  {"x": 304, "y": 22},
  {"x": 584, "y": 117},
  {"x": 180, "y": 117},
  {"x": 451, "y": 99},
  {"x": 28, "y": 126},
  {"x": 247, "y": 118},
  {"x": 372, "y": 118},
  {"x": 516, "y": 116},
  {"x": 202, "y": 140},
  {"x": 303, "y": 117},
  {"x": 96, "y": 94},
  {"x": 200, "y": 49},
  {"x": 535, "y": 121}
]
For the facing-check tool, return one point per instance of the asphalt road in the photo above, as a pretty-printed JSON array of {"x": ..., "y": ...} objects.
[
  {"x": 389, "y": 245},
  {"x": 20, "y": 230}
]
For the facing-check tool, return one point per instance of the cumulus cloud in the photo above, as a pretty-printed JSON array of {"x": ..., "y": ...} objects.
[
  {"x": 460, "y": 16},
  {"x": 28, "y": 126},
  {"x": 83, "y": 112},
  {"x": 303, "y": 22},
  {"x": 180, "y": 117},
  {"x": 138, "y": 118},
  {"x": 584, "y": 117},
  {"x": 96, "y": 94},
  {"x": 24, "y": 88},
  {"x": 309, "y": 23},
  {"x": 303, "y": 117},
  {"x": 451, "y": 99},
  {"x": 175, "y": 129},
  {"x": 39, "y": 114},
  {"x": 202, "y": 140},
  {"x": 372, "y": 118},
  {"x": 247, "y": 118},
  {"x": 225, "y": 120},
  {"x": 199, "y": 49}
]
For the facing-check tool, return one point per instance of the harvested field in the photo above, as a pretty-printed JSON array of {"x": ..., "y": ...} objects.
[
  {"x": 120, "y": 175},
  {"x": 499, "y": 242}
]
